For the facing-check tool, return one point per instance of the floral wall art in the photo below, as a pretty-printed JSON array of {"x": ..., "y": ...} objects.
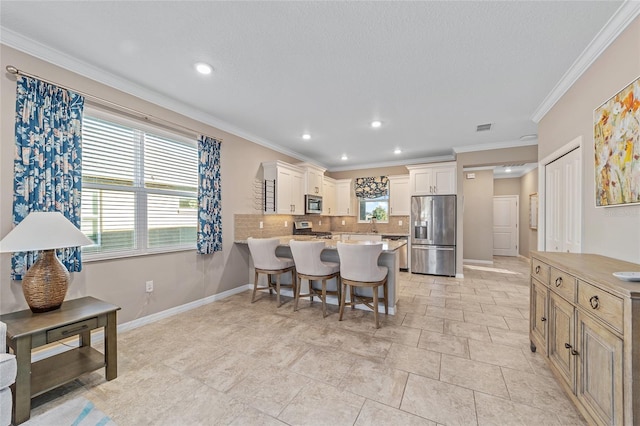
[{"x": 617, "y": 148}]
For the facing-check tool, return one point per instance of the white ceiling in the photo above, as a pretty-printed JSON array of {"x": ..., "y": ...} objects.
[{"x": 430, "y": 71}]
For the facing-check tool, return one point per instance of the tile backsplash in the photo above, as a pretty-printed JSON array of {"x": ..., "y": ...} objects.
[{"x": 248, "y": 225}]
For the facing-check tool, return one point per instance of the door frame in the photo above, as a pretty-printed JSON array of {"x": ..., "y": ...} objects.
[
  {"x": 517, "y": 199},
  {"x": 542, "y": 196}
]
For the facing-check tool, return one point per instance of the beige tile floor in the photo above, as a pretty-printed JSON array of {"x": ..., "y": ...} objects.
[{"x": 456, "y": 352}]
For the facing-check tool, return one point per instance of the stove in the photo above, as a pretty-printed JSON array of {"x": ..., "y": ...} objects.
[{"x": 306, "y": 228}]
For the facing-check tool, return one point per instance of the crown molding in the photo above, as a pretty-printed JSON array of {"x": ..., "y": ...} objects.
[
  {"x": 55, "y": 57},
  {"x": 406, "y": 162},
  {"x": 620, "y": 20},
  {"x": 494, "y": 145}
]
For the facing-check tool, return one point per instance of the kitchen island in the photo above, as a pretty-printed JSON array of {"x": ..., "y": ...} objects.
[{"x": 389, "y": 258}]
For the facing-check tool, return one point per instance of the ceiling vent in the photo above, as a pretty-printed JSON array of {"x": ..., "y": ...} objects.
[{"x": 483, "y": 127}]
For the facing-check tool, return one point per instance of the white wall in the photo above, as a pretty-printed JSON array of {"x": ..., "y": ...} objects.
[{"x": 613, "y": 231}]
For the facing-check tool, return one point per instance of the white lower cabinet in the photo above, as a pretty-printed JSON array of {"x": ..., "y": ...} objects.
[{"x": 591, "y": 330}]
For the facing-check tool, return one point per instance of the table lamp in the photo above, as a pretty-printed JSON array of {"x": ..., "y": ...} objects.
[{"x": 45, "y": 283}]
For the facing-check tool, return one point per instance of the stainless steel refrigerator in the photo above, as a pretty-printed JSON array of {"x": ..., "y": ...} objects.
[{"x": 433, "y": 235}]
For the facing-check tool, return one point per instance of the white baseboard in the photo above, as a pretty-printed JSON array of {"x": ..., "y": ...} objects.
[
  {"x": 459, "y": 275},
  {"x": 333, "y": 300},
  {"x": 98, "y": 336},
  {"x": 482, "y": 262}
]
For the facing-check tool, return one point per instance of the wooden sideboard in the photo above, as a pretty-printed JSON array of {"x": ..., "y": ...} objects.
[{"x": 586, "y": 323}]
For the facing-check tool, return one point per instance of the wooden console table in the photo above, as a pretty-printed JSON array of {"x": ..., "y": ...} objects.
[{"x": 26, "y": 331}]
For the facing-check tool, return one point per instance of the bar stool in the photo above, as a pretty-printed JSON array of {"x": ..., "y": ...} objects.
[
  {"x": 359, "y": 268},
  {"x": 265, "y": 261},
  {"x": 309, "y": 266}
]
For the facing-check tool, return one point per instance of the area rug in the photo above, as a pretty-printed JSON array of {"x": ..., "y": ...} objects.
[{"x": 77, "y": 412}]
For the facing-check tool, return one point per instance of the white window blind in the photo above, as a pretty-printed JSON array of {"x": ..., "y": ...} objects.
[{"x": 139, "y": 190}]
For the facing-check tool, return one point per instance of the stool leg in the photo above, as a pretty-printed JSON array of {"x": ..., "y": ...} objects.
[
  {"x": 269, "y": 284},
  {"x": 278, "y": 289},
  {"x": 386, "y": 298},
  {"x": 342, "y": 300},
  {"x": 353, "y": 297},
  {"x": 297, "y": 293},
  {"x": 255, "y": 288},
  {"x": 375, "y": 306},
  {"x": 324, "y": 298}
]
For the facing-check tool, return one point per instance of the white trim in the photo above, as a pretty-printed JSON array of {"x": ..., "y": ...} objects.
[
  {"x": 494, "y": 145},
  {"x": 482, "y": 262},
  {"x": 625, "y": 14},
  {"x": 459, "y": 275},
  {"x": 423, "y": 160},
  {"x": 139, "y": 322},
  {"x": 542, "y": 171}
]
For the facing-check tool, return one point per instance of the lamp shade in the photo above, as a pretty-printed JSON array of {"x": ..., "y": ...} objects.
[{"x": 43, "y": 231}]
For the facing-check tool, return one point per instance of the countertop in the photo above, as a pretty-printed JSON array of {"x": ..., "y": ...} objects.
[{"x": 388, "y": 246}]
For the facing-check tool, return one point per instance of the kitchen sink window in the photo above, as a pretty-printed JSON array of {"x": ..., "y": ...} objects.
[
  {"x": 139, "y": 188},
  {"x": 373, "y": 198}
]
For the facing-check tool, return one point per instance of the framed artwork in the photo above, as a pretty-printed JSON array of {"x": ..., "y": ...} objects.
[
  {"x": 533, "y": 210},
  {"x": 616, "y": 137}
]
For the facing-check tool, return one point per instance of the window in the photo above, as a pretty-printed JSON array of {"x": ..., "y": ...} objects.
[
  {"x": 139, "y": 188},
  {"x": 376, "y": 208}
]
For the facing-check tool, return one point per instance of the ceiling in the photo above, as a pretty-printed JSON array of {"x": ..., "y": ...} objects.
[{"x": 429, "y": 71}]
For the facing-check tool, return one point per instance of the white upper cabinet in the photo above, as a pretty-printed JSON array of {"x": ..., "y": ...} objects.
[
  {"x": 289, "y": 188},
  {"x": 313, "y": 177},
  {"x": 328, "y": 196},
  {"x": 433, "y": 179},
  {"x": 399, "y": 196},
  {"x": 345, "y": 196}
]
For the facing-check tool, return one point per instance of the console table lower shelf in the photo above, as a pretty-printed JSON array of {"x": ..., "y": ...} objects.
[{"x": 26, "y": 331}]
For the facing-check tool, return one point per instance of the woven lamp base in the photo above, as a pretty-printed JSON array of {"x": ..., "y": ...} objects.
[{"x": 45, "y": 283}]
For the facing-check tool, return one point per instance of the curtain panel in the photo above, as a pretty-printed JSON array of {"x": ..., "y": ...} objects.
[
  {"x": 48, "y": 161},
  {"x": 209, "y": 196},
  {"x": 372, "y": 187}
]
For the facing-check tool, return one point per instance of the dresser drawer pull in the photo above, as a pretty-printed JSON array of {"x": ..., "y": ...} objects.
[
  {"x": 74, "y": 330},
  {"x": 558, "y": 281},
  {"x": 543, "y": 319},
  {"x": 538, "y": 269},
  {"x": 595, "y": 302},
  {"x": 573, "y": 351}
]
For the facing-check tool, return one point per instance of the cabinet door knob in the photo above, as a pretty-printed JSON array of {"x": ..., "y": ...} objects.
[
  {"x": 543, "y": 319},
  {"x": 538, "y": 269},
  {"x": 568, "y": 346},
  {"x": 574, "y": 352},
  {"x": 594, "y": 301},
  {"x": 558, "y": 281}
]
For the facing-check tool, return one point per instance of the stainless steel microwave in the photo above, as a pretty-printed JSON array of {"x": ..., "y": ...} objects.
[{"x": 313, "y": 204}]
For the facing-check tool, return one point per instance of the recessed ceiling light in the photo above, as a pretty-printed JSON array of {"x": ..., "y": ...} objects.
[
  {"x": 344, "y": 157},
  {"x": 203, "y": 68},
  {"x": 507, "y": 170},
  {"x": 306, "y": 136},
  {"x": 528, "y": 137},
  {"x": 397, "y": 151},
  {"x": 375, "y": 124}
]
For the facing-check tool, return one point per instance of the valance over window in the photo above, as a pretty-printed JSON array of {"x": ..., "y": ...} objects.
[{"x": 372, "y": 187}]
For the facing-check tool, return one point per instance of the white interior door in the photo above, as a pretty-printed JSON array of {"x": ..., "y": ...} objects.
[
  {"x": 563, "y": 203},
  {"x": 505, "y": 225}
]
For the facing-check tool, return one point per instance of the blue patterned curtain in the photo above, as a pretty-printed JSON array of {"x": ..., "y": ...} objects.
[
  {"x": 372, "y": 187},
  {"x": 209, "y": 200},
  {"x": 47, "y": 163}
]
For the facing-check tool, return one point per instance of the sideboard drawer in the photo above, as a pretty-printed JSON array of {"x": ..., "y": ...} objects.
[
  {"x": 540, "y": 270},
  {"x": 605, "y": 306},
  {"x": 71, "y": 330},
  {"x": 563, "y": 284}
]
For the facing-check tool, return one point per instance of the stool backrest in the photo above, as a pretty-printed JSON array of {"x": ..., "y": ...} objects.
[
  {"x": 359, "y": 262},
  {"x": 306, "y": 255},
  {"x": 263, "y": 252}
]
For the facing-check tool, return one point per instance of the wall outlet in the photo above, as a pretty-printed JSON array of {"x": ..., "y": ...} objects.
[
  {"x": 343, "y": 223},
  {"x": 149, "y": 286},
  {"x": 261, "y": 224},
  {"x": 286, "y": 223},
  {"x": 399, "y": 223}
]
